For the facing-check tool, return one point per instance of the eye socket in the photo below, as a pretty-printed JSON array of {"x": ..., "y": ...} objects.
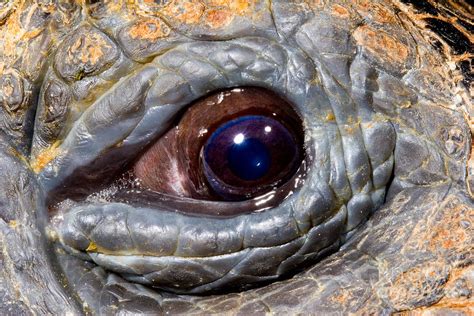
[{"x": 231, "y": 145}]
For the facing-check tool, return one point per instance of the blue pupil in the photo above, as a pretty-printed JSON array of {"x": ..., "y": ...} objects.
[{"x": 248, "y": 158}]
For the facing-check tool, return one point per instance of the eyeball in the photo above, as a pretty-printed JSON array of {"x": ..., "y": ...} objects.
[
  {"x": 248, "y": 155},
  {"x": 231, "y": 145}
]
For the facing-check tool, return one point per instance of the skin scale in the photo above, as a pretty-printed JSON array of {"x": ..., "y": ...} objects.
[{"x": 414, "y": 253}]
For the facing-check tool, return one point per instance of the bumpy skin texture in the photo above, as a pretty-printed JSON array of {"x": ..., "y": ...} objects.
[{"x": 85, "y": 85}]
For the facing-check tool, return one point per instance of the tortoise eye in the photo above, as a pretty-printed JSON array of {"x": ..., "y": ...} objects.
[
  {"x": 231, "y": 145},
  {"x": 248, "y": 155}
]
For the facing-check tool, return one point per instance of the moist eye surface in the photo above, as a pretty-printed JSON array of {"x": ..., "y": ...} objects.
[
  {"x": 248, "y": 152},
  {"x": 251, "y": 144}
]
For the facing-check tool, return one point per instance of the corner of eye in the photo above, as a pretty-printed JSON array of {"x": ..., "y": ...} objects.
[{"x": 45, "y": 156}]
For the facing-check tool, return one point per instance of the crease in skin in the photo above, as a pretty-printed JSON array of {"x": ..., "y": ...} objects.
[{"x": 329, "y": 286}]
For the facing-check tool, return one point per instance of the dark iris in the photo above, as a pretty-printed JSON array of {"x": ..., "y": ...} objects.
[
  {"x": 247, "y": 155},
  {"x": 231, "y": 145},
  {"x": 248, "y": 158}
]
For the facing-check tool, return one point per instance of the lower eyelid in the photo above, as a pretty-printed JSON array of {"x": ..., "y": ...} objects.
[
  {"x": 248, "y": 246},
  {"x": 276, "y": 224}
]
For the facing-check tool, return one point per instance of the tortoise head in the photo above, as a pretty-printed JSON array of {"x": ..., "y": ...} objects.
[{"x": 246, "y": 157}]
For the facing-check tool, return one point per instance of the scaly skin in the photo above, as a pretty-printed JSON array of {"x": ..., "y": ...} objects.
[{"x": 62, "y": 60}]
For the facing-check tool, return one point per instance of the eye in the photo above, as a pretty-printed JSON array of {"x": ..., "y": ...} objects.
[
  {"x": 157, "y": 179},
  {"x": 249, "y": 145},
  {"x": 247, "y": 155}
]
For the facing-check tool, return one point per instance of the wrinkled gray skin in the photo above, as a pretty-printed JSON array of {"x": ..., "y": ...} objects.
[{"x": 385, "y": 138}]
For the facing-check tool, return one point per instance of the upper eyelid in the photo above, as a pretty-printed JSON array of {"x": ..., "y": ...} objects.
[{"x": 157, "y": 108}]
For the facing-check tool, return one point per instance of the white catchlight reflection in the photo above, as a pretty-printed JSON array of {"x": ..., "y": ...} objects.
[
  {"x": 268, "y": 129},
  {"x": 239, "y": 138}
]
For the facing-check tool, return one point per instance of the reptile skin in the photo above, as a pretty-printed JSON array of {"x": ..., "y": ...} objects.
[{"x": 382, "y": 224}]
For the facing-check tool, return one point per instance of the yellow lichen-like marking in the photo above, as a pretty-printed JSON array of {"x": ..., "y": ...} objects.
[
  {"x": 32, "y": 34},
  {"x": 330, "y": 117},
  {"x": 45, "y": 157},
  {"x": 92, "y": 247},
  {"x": 11, "y": 35}
]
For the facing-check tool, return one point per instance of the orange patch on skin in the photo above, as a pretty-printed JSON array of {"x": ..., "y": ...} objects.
[
  {"x": 45, "y": 157},
  {"x": 89, "y": 49},
  {"x": 455, "y": 305},
  {"x": 375, "y": 11},
  {"x": 383, "y": 15},
  {"x": 340, "y": 11},
  {"x": 150, "y": 29},
  {"x": 463, "y": 304},
  {"x": 217, "y": 3},
  {"x": 315, "y": 4},
  {"x": 94, "y": 54},
  {"x": 185, "y": 11},
  {"x": 451, "y": 233},
  {"x": 381, "y": 44},
  {"x": 214, "y": 13},
  {"x": 219, "y": 18},
  {"x": 241, "y": 7},
  {"x": 425, "y": 278},
  {"x": 340, "y": 297}
]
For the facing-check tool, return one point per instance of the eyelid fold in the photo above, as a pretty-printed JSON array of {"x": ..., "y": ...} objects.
[{"x": 152, "y": 249}]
